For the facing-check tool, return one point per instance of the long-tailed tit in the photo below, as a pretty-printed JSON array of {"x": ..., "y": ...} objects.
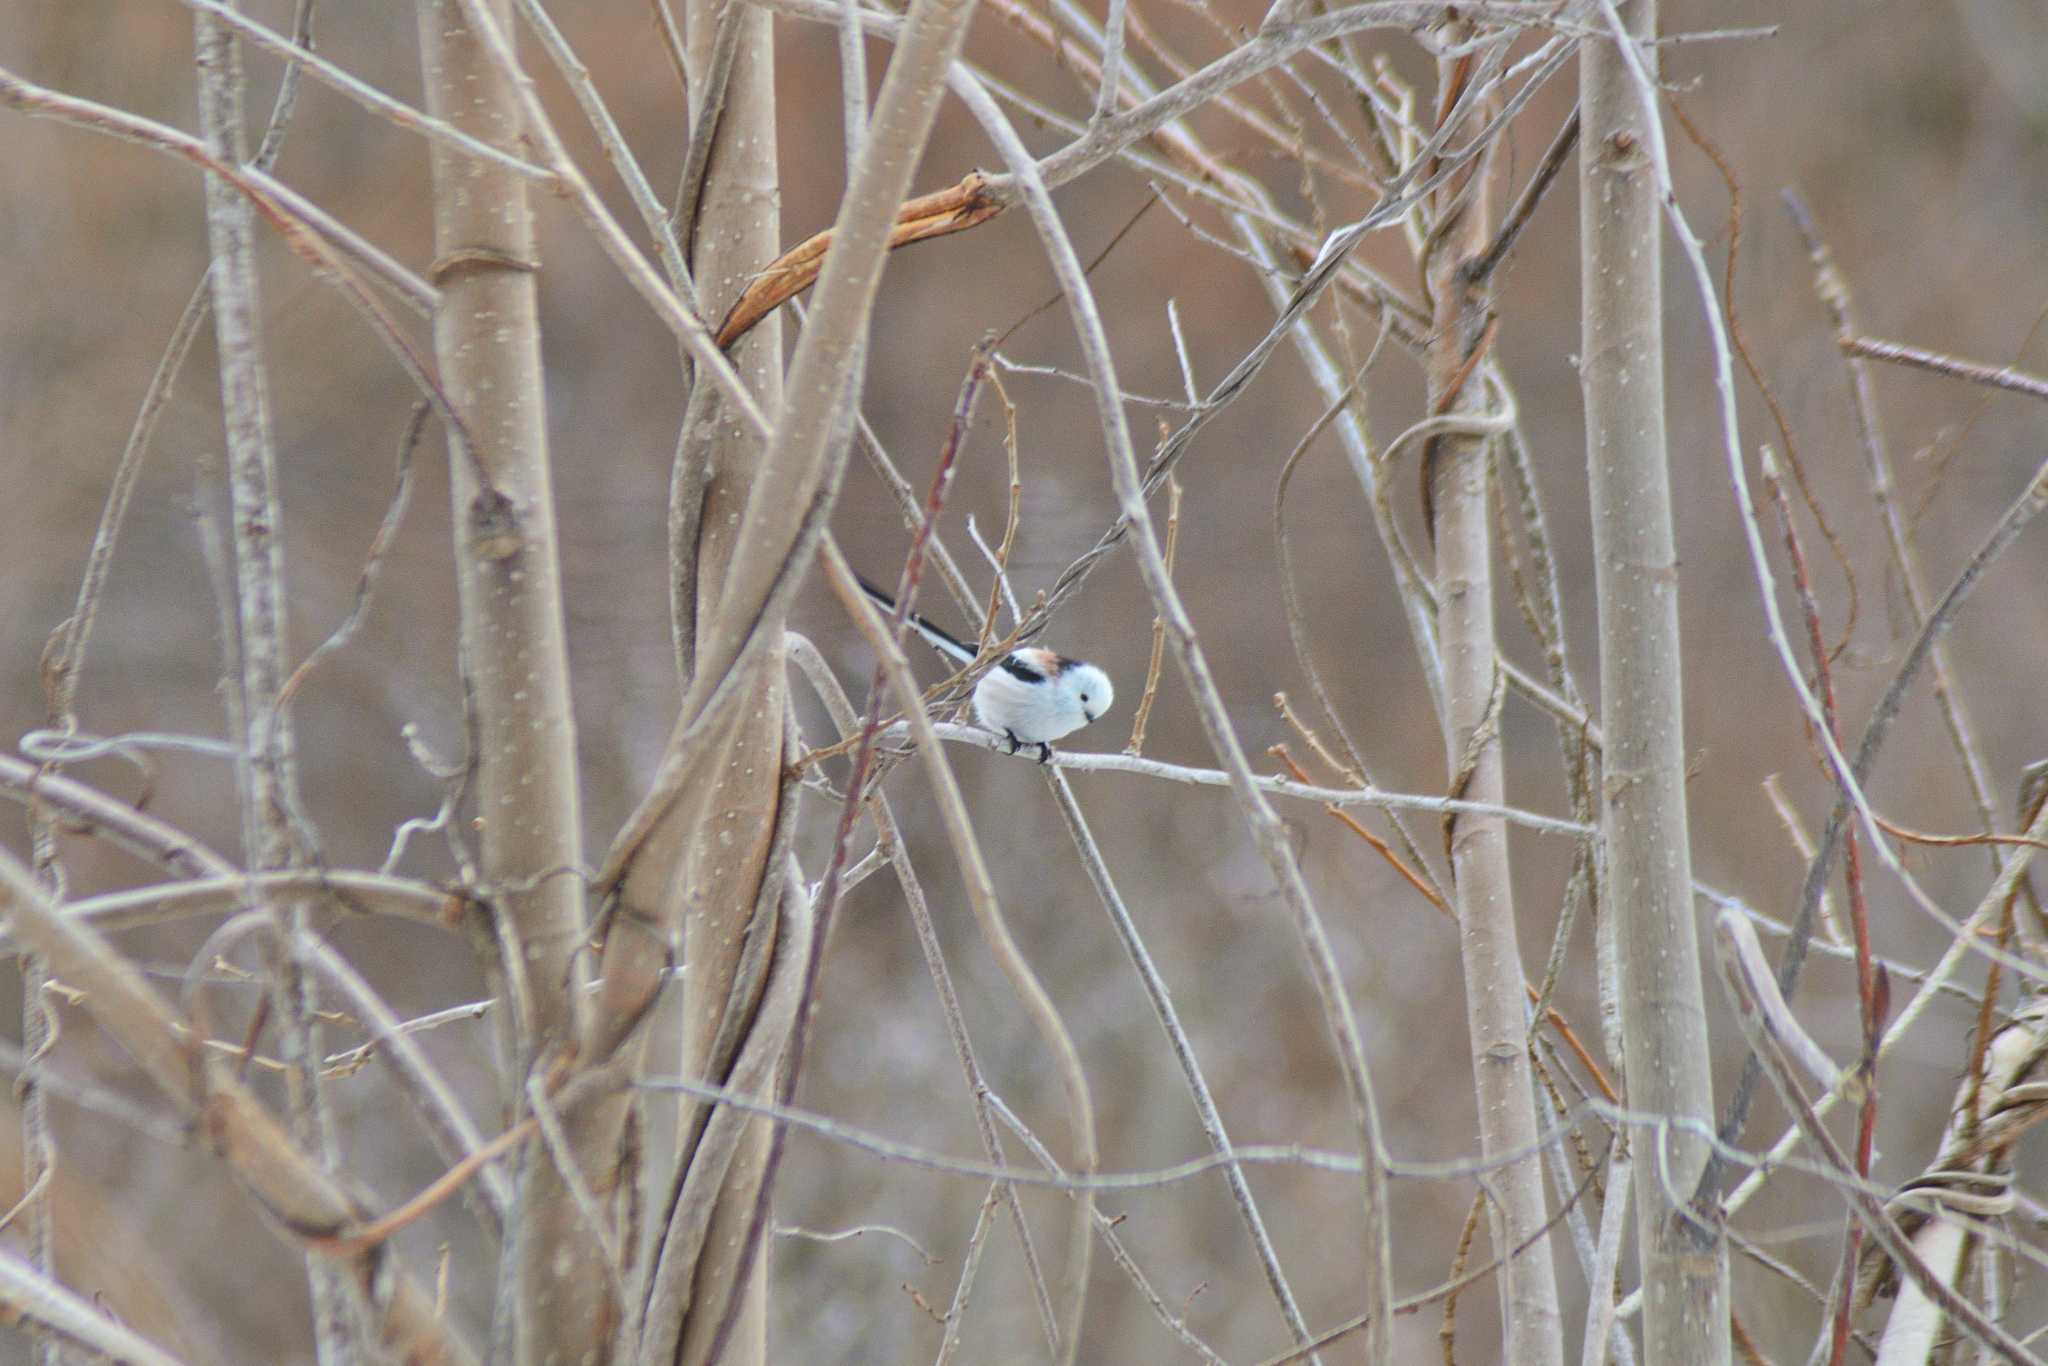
[{"x": 1032, "y": 697}]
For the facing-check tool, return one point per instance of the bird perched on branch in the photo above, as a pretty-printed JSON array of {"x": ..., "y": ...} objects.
[{"x": 1033, "y": 696}]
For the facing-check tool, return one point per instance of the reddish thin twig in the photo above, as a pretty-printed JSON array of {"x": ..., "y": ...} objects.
[{"x": 1380, "y": 846}]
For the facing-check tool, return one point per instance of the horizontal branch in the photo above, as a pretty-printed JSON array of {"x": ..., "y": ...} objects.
[
  {"x": 367, "y": 893},
  {"x": 1248, "y": 1155},
  {"x": 85, "y": 809},
  {"x": 1074, "y": 762}
]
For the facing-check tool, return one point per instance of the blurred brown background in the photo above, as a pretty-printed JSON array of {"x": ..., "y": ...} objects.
[{"x": 1917, "y": 131}]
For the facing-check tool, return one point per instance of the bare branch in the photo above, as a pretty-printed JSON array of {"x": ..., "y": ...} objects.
[
  {"x": 1648, "y": 878},
  {"x": 1866, "y": 1206},
  {"x": 1183, "y": 1049},
  {"x": 292, "y": 1187},
  {"x": 806, "y": 657},
  {"x": 42, "y": 1301},
  {"x": 1833, "y": 290},
  {"x": 398, "y": 113},
  {"x": 1898, "y": 353},
  {"x": 1081, "y": 762}
]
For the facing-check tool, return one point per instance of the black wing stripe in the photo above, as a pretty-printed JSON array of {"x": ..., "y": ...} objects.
[{"x": 1018, "y": 669}]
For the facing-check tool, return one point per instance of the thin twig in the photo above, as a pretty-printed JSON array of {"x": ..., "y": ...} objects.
[
  {"x": 447, "y": 1123},
  {"x": 1183, "y": 1048},
  {"x": 988, "y": 912},
  {"x": 1898, "y": 353},
  {"x": 563, "y": 1154},
  {"x": 805, "y": 656},
  {"x": 1136, "y": 744},
  {"x": 1106, "y": 1226},
  {"x": 1868, "y": 1208},
  {"x": 707, "y": 108},
  {"x": 1012, "y": 516},
  {"x": 46, "y": 1304},
  {"x": 1082, "y": 762},
  {"x": 2032, "y": 500},
  {"x": 1408, "y": 874},
  {"x": 373, "y": 559},
  {"x": 1936, "y": 981},
  {"x": 266, "y": 770},
  {"x": 1740, "y": 342},
  {"x": 674, "y": 310},
  {"x": 1833, "y": 291},
  {"x": 1481, "y": 267},
  {"x": 1867, "y": 990},
  {"x": 313, "y": 240},
  {"x": 295, "y": 1188},
  {"x": 299, "y": 57}
]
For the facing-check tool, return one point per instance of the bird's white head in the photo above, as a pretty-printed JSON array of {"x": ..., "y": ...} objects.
[{"x": 1087, "y": 689}]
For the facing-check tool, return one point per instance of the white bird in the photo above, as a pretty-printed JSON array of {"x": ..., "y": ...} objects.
[{"x": 1032, "y": 697}]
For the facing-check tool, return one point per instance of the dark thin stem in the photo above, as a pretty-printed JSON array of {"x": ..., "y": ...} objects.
[
  {"x": 1483, "y": 265},
  {"x": 704, "y": 120}
]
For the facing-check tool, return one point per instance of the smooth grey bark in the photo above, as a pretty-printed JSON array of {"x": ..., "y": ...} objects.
[
  {"x": 1648, "y": 884},
  {"x": 513, "y": 647},
  {"x": 1496, "y": 1007}
]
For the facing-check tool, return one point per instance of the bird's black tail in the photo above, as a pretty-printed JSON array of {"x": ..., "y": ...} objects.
[{"x": 938, "y": 637}]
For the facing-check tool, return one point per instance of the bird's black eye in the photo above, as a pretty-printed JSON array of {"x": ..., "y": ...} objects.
[{"x": 1084, "y": 697}]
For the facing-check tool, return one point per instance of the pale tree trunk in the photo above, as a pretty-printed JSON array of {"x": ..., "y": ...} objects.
[
  {"x": 1496, "y": 1011},
  {"x": 514, "y": 654},
  {"x": 1648, "y": 884},
  {"x": 718, "y": 876},
  {"x": 711, "y": 863}
]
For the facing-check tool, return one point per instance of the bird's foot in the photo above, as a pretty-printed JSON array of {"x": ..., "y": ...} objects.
[{"x": 1044, "y": 749}]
